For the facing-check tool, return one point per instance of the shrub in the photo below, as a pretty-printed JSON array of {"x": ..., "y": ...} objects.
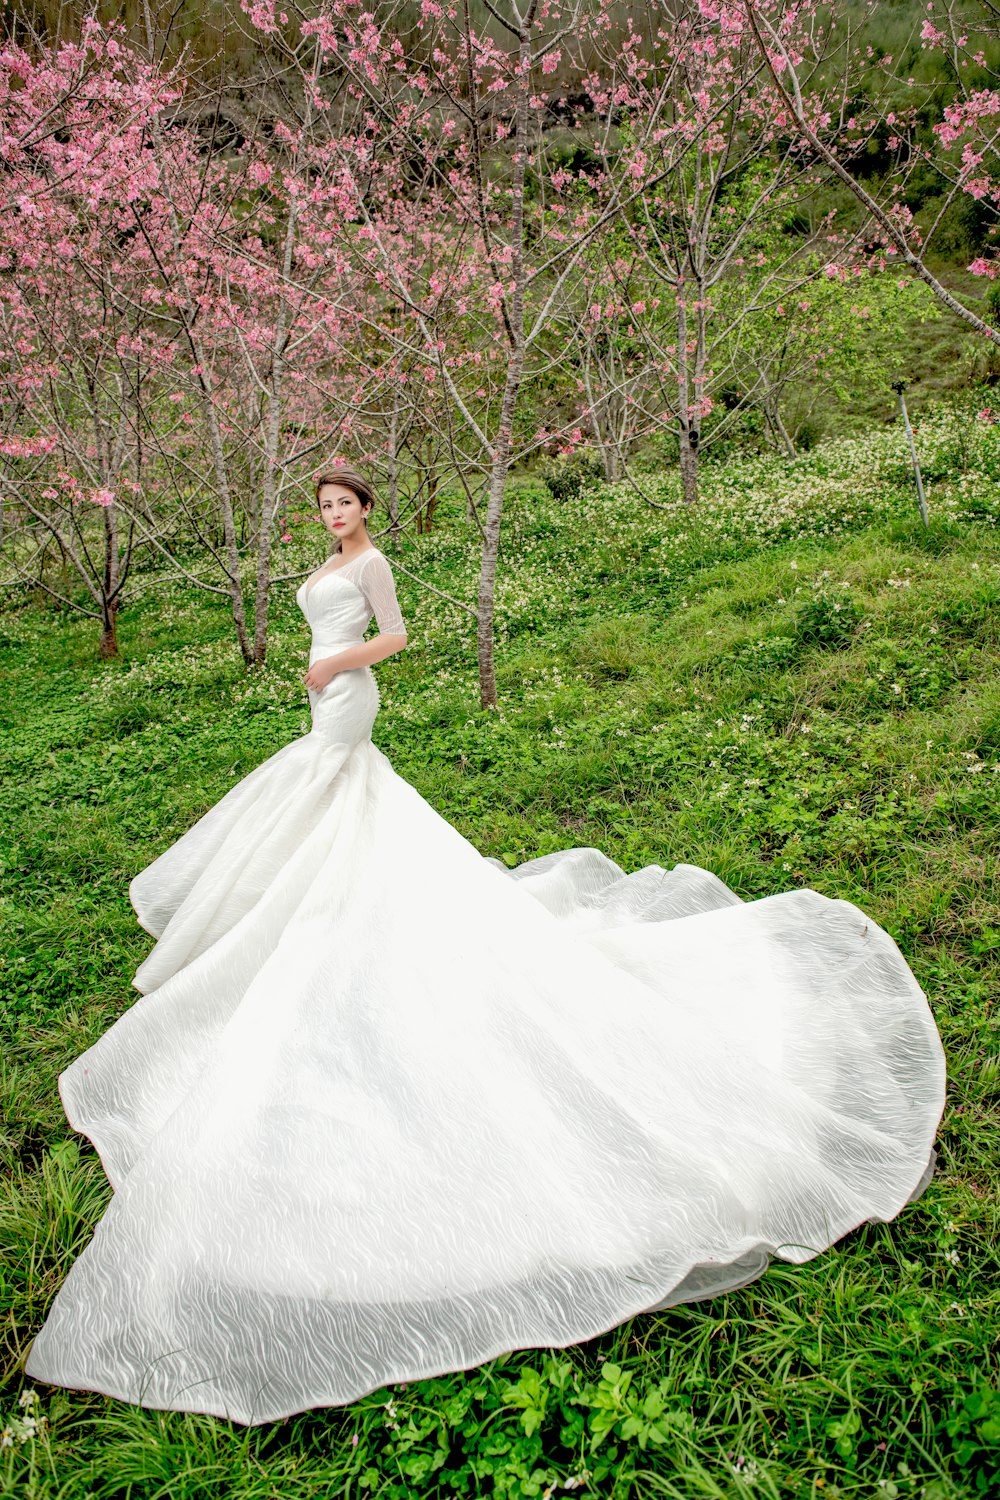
[
  {"x": 568, "y": 477},
  {"x": 827, "y": 620}
]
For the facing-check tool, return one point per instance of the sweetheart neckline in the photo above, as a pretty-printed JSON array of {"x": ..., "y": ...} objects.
[{"x": 310, "y": 582}]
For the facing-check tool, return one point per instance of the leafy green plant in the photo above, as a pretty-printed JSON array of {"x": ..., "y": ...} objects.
[
  {"x": 827, "y": 620},
  {"x": 973, "y": 1426},
  {"x": 567, "y": 476}
]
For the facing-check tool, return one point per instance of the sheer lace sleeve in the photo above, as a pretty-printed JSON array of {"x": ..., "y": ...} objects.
[{"x": 379, "y": 589}]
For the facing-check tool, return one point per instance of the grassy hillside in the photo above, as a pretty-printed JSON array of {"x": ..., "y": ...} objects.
[
  {"x": 943, "y": 358},
  {"x": 797, "y": 686}
]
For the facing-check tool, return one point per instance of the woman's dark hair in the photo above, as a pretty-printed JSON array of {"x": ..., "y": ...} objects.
[{"x": 351, "y": 479}]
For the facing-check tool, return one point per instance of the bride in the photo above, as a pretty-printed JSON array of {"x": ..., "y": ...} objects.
[{"x": 386, "y": 1109}]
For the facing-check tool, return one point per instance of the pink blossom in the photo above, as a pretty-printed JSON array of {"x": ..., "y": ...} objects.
[{"x": 26, "y": 447}]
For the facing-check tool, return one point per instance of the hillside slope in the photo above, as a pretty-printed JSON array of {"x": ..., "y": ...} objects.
[{"x": 797, "y": 686}]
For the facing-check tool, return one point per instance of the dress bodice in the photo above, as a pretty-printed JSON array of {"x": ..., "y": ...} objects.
[{"x": 339, "y": 602}]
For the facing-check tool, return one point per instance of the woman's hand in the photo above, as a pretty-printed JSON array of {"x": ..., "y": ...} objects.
[
  {"x": 321, "y": 674},
  {"x": 351, "y": 658}
]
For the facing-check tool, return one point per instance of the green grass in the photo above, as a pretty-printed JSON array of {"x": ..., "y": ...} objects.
[{"x": 798, "y": 687}]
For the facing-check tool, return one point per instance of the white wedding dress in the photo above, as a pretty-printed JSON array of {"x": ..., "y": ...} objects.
[{"x": 386, "y": 1109}]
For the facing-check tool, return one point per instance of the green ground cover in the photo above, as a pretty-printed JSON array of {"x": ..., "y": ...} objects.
[{"x": 796, "y": 686}]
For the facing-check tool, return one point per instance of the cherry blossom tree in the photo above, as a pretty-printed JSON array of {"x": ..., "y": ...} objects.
[
  {"x": 466, "y": 216},
  {"x": 438, "y": 249},
  {"x": 79, "y": 349},
  {"x": 964, "y": 152},
  {"x": 708, "y": 263},
  {"x": 169, "y": 348}
]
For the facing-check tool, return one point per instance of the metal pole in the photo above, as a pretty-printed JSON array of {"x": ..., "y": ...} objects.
[{"x": 898, "y": 388}]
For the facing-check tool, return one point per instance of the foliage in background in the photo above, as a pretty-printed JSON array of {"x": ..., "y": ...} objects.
[{"x": 617, "y": 234}]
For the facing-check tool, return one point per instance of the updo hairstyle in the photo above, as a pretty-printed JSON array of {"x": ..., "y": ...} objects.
[{"x": 351, "y": 479}]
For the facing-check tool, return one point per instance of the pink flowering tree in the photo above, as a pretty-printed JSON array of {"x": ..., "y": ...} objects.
[
  {"x": 473, "y": 219},
  {"x": 80, "y": 354},
  {"x": 407, "y": 251},
  {"x": 963, "y": 153},
  {"x": 252, "y": 284},
  {"x": 185, "y": 343},
  {"x": 710, "y": 272}
]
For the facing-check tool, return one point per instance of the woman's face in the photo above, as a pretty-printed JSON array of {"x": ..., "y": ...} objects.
[{"x": 341, "y": 511}]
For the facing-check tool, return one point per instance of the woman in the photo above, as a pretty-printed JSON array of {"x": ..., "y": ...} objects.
[{"x": 386, "y": 1109}]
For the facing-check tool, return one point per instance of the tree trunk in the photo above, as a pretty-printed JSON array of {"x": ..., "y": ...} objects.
[
  {"x": 504, "y": 446},
  {"x": 268, "y": 510},
  {"x": 188, "y": 311},
  {"x": 783, "y": 433},
  {"x": 689, "y": 463},
  {"x": 263, "y": 588},
  {"x": 487, "y": 585},
  {"x": 502, "y": 451},
  {"x": 392, "y": 480},
  {"x": 108, "y": 647},
  {"x": 233, "y": 578},
  {"x": 501, "y": 456},
  {"x": 687, "y": 431},
  {"x": 432, "y": 499}
]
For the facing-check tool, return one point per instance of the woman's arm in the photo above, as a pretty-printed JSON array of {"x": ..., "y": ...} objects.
[
  {"x": 379, "y": 589},
  {"x": 323, "y": 671}
]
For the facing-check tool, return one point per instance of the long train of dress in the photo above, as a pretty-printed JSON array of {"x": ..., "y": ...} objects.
[{"x": 386, "y": 1109}]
